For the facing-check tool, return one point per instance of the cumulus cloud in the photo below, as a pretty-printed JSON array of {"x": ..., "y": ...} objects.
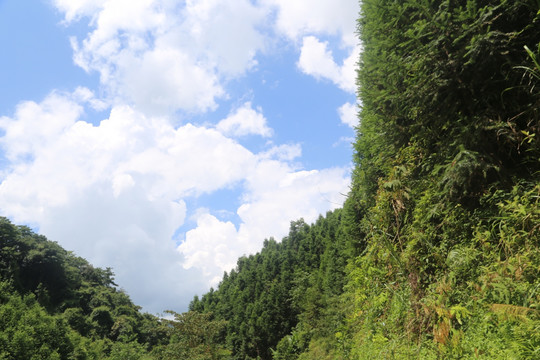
[
  {"x": 310, "y": 21},
  {"x": 282, "y": 152},
  {"x": 317, "y": 60},
  {"x": 245, "y": 121},
  {"x": 115, "y": 192},
  {"x": 165, "y": 79},
  {"x": 331, "y": 17},
  {"x": 26, "y": 134},
  {"x": 75, "y": 9},
  {"x": 132, "y": 234},
  {"x": 212, "y": 247},
  {"x": 47, "y": 141},
  {"x": 160, "y": 55},
  {"x": 348, "y": 114},
  {"x": 228, "y": 34},
  {"x": 276, "y": 194}
]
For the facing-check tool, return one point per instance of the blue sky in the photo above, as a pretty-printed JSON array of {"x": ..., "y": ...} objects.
[{"x": 167, "y": 138}]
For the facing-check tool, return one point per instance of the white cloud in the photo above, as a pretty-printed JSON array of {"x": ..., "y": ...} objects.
[
  {"x": 114, "y": 193},
  {"x": 165, "y": 79},
  {"x": 212, "y": 247},
  {"x": 317, "y": 60},
  {"x": 86, "y": 96},
  {"x": 275, "y": 195},
  {"x": 348, "y": 114},
  {"x": 278, "y": 194},
  {"x": 300, "y": 17},
  {"x": 283, "y": 152},
  {"x": 314, "y": 20},
  {"x": 161, "y": 55},
  {"x": 227, "y": 33},
  {"x": 245, "y": 121},
  {"x": 27, "y": 133},
  {"x": 75, "y": 9},
  {"x": 131, "y": 234}
]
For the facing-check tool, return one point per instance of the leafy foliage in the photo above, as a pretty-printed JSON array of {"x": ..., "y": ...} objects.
[
  {"x": 448, "y": 133},
  {"x": 286, "y": 288},
  {"x": 193, "y": 336},
  {"x": 54, "y": 305},
  {"x": 435, "y": 254}
]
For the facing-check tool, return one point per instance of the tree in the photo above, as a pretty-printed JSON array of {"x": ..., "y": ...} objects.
[{"x": 194, "y": 336}]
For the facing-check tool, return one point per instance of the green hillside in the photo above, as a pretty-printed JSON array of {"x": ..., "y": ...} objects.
[
  {"x": 55, "y": 305},
  {"x": 434, "y": 255}
]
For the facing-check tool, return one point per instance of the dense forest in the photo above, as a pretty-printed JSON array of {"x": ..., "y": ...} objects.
[
  {"x": 434, "y": 255},
  {"x": 55, "y": 305}
]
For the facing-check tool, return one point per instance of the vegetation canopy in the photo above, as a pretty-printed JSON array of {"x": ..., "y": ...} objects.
[{"x": 435, "y": 254}]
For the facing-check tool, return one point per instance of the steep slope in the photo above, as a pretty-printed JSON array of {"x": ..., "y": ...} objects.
[
  {"x": 287, "y": 283},
  {"x": 447, "y": 179},
  {"x": 434, "y": 255},
  {"x": 438, "y": 243},
  {"x": 54, "y": 305}
]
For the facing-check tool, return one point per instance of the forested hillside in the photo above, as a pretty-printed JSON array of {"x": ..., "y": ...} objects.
[
  {"x": 55, "y": 305},
  {"x": 298, "y": 279},
  {"x": 448, "y": 181},
  {"x": 435, "y": 254}
]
